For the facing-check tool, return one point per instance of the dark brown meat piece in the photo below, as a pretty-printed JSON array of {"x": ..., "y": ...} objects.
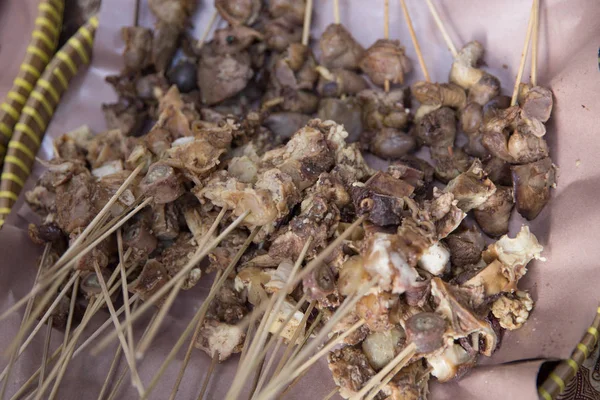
[
  {"x": 281, "y": 33},
  {"x": 222, "y": 76},
  {"x": 165, "y": 44},
  {"x": 385, "y": 60},
  {"x": 531, "y": 184},
  {"x": 389, "y": 185},
  {"x": 163, "y": 183},
  {"x": 106, "y": 146},
  {"x": 486, "y": 88},
  {"x": 465, "y": 246},
  {"x": 285, "y": 124},
  {"x": 471, "y": 118},
  {"x": 471, "y": 188},
  {"x": 382, "y": 109},
  {"x": 138, "y": 235},
  {"x": 165, "y": 225},
  {"x": 413, "y": 170},
  {"x": 498, "y": 171},
  {"x": 292, "y": 10},
  {"x": 319, "y": 283},
  {"x": 538, "y": 104},
  {"x": 526, "y": 148},
  {"x": 449, "y": 162},
  {"x": 44, "y": 233},
  {"x": 126, "y": 115},
  {"x": 239, "y": 12},
  {"x": 426, "y": 330},
  {"x": 153, "y": 277},
  {"x": 173, "y": 12},
  {"x": 339, "y": 82},
  {"x": 439, "y": 94},
  {"x": 389, "y": 143},
  {"x": 346, "y": 112},
  {"x": 381, "y": 209},
  {"x": 493, "y": 215},
  {"x": 437, "y": 128},
  {"x": 496, "y": 132},
  {"x": 350, "y": 369},
  {"x": 339, "y": 49},
  {"x": 295, "y": 69},
  {"x": 74, "y": 202},
  {"x": 176, "y": 256},
  {"x": 137, "y": 54},
  {"x": 233, "y": 39}
]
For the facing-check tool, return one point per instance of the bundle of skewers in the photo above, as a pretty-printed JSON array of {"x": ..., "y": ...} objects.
[{"x": 384, "y": 273}]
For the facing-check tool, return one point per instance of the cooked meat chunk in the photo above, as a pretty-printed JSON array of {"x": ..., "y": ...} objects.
[
  {"x": 138, "y": 236},
  {"x": 525, "y": 147},
  {"x": 531, "y": 184},
  {"x": 350, "y": 369},
  {"x": 176, "y": 256},
  {"x": 385, "y": 61},
  {"x": 173, "y": 12},
  {"x": 471, "y": 118},
  {"x": 381, "y": 347},
  {"x": 295, "y": 69},
  {"x": 537, "y": 104},
  {"x": 319, "y": 283},
  {"x": 382, "y": 109},
  {"x": 138, "y": 48},
  {"x": 74, "y": 202},
  {"x": 222, "y": 76},
  {"x": 471, "y": 188},
  {"x": 512, "y": 310},
  {"x": 390, "y": 143},
  {"x": 493, "y": 215},
  {"x": 498, "y": 171},
  {"x": 233, "y": 39},
  {"x": 412, "y": 170},
  {"x": 339, "y": 49},
  {"x": 153, "y": 277},
  {"x": 164, "y": 44},
  {"x": 219, "y": 339},
  {"x": 464, "y": 72},
  {"x": 163, "y": 183},
  {"x": 280, "y": 33},
  {"x": 165, "y": 225},
  {"x": 285, "y": 124},
  {"x": 239, "y": 12},
  {"x": 126, "y": 115},
  {"x": 449, "y": 162},
  {"x": 375, "y": 309},
  {"x": 292, "y": 10},
  {"x": 437, "y": 129},
  {"x": 484, "y": 90},
  {"x": 465, "y": 246},
  {"x": 339, "y": 82},
  {"x": 443, "y": 95},
  {"x": 345, "y": 112}
]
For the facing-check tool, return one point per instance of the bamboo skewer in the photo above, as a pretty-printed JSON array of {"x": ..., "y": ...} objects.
[
  {"x": 188, "y": 353},
  {"x": 336, "y": 11},
  {"x": 211, "y": 368},
  {"x": 6, "y": 373},
  {"x": 442, "y": 28},
  {"x": 46, "y": 349},
  {"x": 124, "y": 289},
  {"x": 332, "y": 393},
  {"x": 415, "y": 41},
  {"x": 524, "y": 52},
  {"x": 201, "y": 314},
  {"x": 401, "y": 358},
  {"x": 111, "y": 370},
  {"x": 71, "y": 311},
  {"x": 307, "y": 22},
  {"x": 534, "y": 46},
  {"x": 165, "y": 288},
  {"x": 126, "y": 350},
  {"x": 145, "y": 343},
  {"x": 386, "y": 34}
]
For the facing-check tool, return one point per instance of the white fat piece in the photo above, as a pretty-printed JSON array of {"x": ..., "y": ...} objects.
[
  {"x": 393, "y": 271},
  {"x": 435, "y": 259},
  {"x": 283, "y": 314},
  {"x": 108, "y": 168},
  {"x": 520, "y": 250},
  {"x": 445, "y": 365}
]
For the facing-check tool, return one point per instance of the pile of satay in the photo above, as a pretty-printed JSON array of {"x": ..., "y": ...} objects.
[{"x": 240, "y": 160}]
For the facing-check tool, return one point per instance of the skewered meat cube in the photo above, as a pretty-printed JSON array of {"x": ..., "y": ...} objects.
[
  {"x": 339, "y": 49},
  {"x": 385, "y": 61}
]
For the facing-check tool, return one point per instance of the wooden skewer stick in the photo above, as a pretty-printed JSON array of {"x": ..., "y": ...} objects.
[
  {"x": 46, "y": 349},
  {"x": 297, "y": 371},
  {"x": 188, "y": 353},
  {"x": 71, "y": 311},
  {"x": 211, "y": 369},
  {"x": 307, "y": 22},
  {"x": 401, "y": 358},
  {"x": 279, "y": 340},
  {"x": 124, "y": 289},
  {"x": 58, "y": 351},
  {"x": 115, "y": 390},
  {"x": 294, "y": 338},
  {"x": 385, "y": 381},
  {"x": 386, "y": 34},
  {"x": 442, "y": 28},
  {"x": 128, "y": 354},
  {"x": 201, "y": 314},
  {"x": 267, "y": 320},
  {"x": 415, "y": 41},
  {"x": 336, "y": 11},
  {"x": 523, "y": 56},
  {"x": 293, "y": 368},
  {"x": 45, "y": 317},
  {"x": 332, "y": 393},
  {"x": 534, "y": 46},
  {"x": 25, "y": 318},
  {"x": 167, "y": 286},
  {"x": 247, "y": 340},
  {"x": 111, "y": 370},
  {"x": 211, "y": 22},
  {"x": 145, "y": 343}
]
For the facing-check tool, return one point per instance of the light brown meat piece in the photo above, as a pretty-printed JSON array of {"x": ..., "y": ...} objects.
[
  {"x": 531, "y": 185},
  {"x": 222, "y": 76},
  {"x": 137, "y": 54},
  {"x": 350, "y": 369},
  {"x": 239, "y": 12},
  {"x": 471, "y": 188},
  {"x": 339, "y": 49},
  {"x": 493, "y": 216},
  {"x": 153, "y": 277},
  {"x": 382, "y": 109},
  {"x": 292, "y": 10},
  {"x": 385, "y": 60}
]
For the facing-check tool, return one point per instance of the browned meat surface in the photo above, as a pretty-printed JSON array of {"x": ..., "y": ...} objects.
[
  {"x": 285, "y": 124},
  {"x": 233, "y": 39},
  {"x": 221, "y": 76},
  {"x": 493, "y": 215},
  {"x": 126, "y": 116},
  {"x": 347, "y": 112},
  {"x": 531, "y": 184},
  {"x": 292, "y": 10},
  {"x": 440, "y": 94},
  {"x": 350, "y": 369},
  {"x": 382, "y": 109},
  {"x": 339, "y": 49},
  {"x": 465, "y": 246},
  {"x": 449, "y": 162},
  {"x": 239, "y": 12},
  {"x": 389, "y": 143},
  {"x": 173, "y": 12},
  {"x": 385, "y": 60},
  {"x": 280, "y": 33},
  {"x": 138, "y": 48},
  {"x": 437, "y": 129},
  {"x": 153, "y": 277},
  {"x": 339, "y": 82},
  {"x": 471, "y": 188},
  {"x": 164, "y": 44}
]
